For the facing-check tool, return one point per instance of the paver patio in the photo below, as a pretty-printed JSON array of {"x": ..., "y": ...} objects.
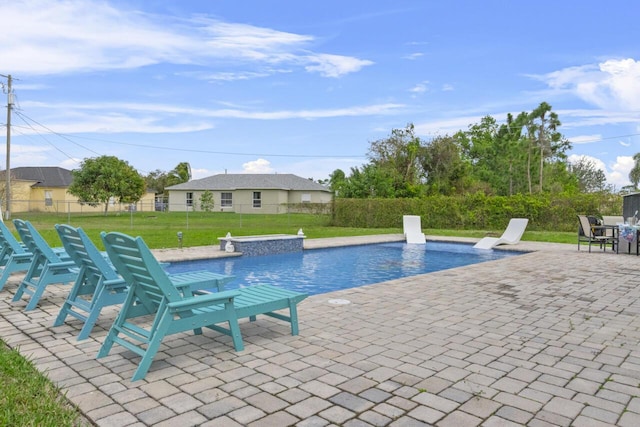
[{"x": 547, "y": 338}]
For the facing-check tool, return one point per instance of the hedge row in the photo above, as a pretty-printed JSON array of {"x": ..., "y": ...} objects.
[{"x": 476, "y": 212}]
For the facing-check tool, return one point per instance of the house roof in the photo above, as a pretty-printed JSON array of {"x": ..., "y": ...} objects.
[
  {"x": 251, "y": 182},
  {"x": 45, "y": 176}
]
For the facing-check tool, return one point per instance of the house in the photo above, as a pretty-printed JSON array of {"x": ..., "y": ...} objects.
[
  {"x": 248, "y": 193},
  {"x": 44, "y": 189}
]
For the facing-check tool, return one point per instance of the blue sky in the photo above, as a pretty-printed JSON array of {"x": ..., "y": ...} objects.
[{"x": 303, "y": 87}]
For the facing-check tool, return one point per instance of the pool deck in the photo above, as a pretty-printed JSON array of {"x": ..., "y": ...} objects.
[{"x": 547, "y": 338}]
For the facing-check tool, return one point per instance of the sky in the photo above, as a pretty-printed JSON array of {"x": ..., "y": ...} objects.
[{"x": 304, "y": 87}]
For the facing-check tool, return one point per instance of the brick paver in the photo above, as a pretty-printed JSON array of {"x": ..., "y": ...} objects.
[{"x": 547, "y": 338}]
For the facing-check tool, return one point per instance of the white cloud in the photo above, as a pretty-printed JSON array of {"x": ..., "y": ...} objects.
[
  {"x": 612, "y": 84},
  {"x": 447, "y": 126},
  {"x": 257, "y": 166},
  {"x": 585, "y": 139},
  {"x": 27, "y": 155},
  {"x": 51, "y": 37},
  {"x": 199, "y": 173},
  {"x": 414, "y": 56},
  {"x": 578, "y": 118},
  {"x": 421, "y": 87},
  {"x": 599, "y": 164},
  {"x": 109, "y": 117},
  {"x": 335, "y": 65},
  {"x": 619, "y": 175}
]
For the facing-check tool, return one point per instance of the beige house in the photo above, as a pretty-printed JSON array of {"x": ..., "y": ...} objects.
[
  {"x": 249, "y": 193},
  {"x": 44, "y": 189}
]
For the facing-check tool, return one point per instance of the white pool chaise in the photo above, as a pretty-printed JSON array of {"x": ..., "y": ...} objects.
[
  {"x": 511, "y": 235},
  {"x": 412, "y": 228}
]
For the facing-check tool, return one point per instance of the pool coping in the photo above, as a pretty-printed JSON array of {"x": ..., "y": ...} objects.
[{"x": 214, "y": 251}]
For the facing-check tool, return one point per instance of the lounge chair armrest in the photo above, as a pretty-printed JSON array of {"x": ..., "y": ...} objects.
[
  {"x": 64, "y": 264},
  {"x": 201, "y": 301},
  {"x": 115, "y": 283}
]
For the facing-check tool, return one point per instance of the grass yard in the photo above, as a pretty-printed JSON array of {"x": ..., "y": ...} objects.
[
  {"x": 29, "y": 398},
  {"x": 160, "y": 229}
]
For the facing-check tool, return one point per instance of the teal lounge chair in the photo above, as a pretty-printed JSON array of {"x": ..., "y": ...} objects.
[
  {"x": 47, "y": 266},
  {"x": 152, "y": 293},
  {"x": 14, "y": 257},
  {"x": 99, "y": 285}
]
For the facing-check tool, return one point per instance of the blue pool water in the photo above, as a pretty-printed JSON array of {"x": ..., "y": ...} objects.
[{"x": 318, "y": 271}]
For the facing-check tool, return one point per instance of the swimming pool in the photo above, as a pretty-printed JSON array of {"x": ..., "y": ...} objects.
[{"x": 317, "y": 271}]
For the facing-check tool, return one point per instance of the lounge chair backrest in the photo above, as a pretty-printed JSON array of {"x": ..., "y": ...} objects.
[
  {"x": 411, "y": 223},
  {"x": 34, "y": 241},
  {"x": 412, "y": 229},
  {"x": 8, "y": 239},
  {"x": 145, "y": 276},
  {"x": 84, "y": 253},
  {"x": 515, "y": 229}
]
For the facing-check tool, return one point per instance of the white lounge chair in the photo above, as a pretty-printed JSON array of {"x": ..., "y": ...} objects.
[
  {"x": 511, "y": 235},
  {"x": 413, "y": 229}
]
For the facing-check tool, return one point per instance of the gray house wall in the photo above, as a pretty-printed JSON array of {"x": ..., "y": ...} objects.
[
  {"x": 276, "y": 192},
  {"x": 273, "y": 201}
]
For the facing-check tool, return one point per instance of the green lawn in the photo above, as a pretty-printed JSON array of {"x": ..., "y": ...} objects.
[
  {"x": 28, "y": 398},
  {"x": 160, "y": 229}
]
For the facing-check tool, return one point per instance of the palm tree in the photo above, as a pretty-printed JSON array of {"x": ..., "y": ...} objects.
[
  {"x": 547, "y": 126},
  {"x": 181, "y": 173}
]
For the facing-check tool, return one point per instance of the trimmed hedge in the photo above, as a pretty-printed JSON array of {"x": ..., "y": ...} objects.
[{"x": 477, "y": 211}]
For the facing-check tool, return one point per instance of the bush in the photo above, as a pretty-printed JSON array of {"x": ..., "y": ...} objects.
[{"x": 477, "y": 211}]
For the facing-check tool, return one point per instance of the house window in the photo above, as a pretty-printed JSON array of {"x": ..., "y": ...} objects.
[
  {"x": 226, "y": 200},
  {"x": 306, "y": 198},
  {"x": 257, "y": 199},
  {"x": 48, "y": 198},
  {"x": 189, "y": 198}
]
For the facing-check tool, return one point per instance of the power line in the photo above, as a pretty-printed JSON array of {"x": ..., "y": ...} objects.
[
  {"x": 24, "y": 118},
  {"x": 43, "y": 137}
]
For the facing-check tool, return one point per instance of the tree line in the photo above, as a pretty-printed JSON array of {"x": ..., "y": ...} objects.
[{"x": 526, "y": 154}]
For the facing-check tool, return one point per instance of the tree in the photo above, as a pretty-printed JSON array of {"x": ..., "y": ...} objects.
[
  {"x": 337, "y": 182},
  {"x": 104, "y": 178},
  {"x": 181, "y": 173},
  {"x": 445, "y": 170},
  {"x": 206, "y": 201},
  {"x": 634, "y": 174},
  {"x": 398, "y": 158},
  {"x": 156, "y": 181},
  {"x": 510, "y": 143},
  {"x": 368, "y": 182},
  {"x": 590, "y": 178},
  {"x": 478, "y": 148},
  {"x": 551, "y": 143}
]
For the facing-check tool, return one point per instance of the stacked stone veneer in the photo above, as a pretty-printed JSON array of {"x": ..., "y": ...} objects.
[{"x": 264, "y": 245}]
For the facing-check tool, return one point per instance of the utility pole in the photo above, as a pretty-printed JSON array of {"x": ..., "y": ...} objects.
[{"x": 7, "y": 171}]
